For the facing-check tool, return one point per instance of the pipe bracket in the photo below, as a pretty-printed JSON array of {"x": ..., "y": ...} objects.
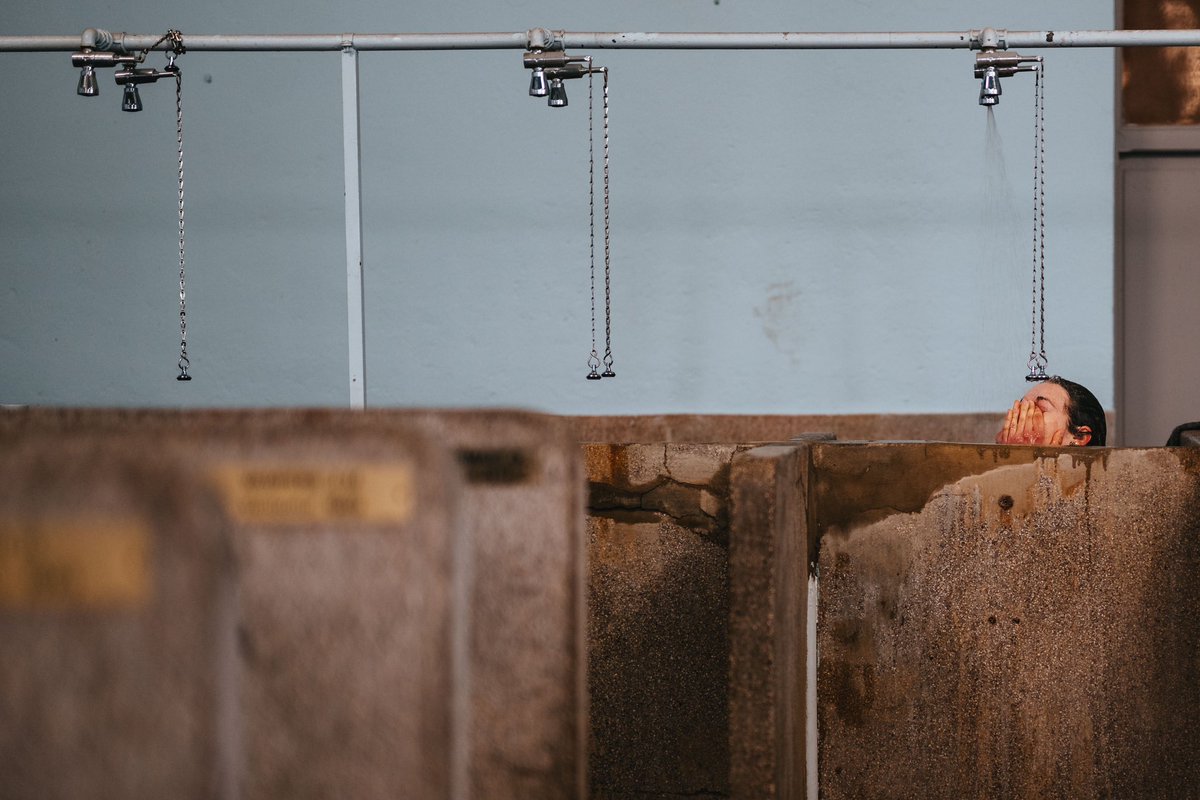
[
  {"x": 989, "y": 39},
  {"x": 542, "y": 39}
]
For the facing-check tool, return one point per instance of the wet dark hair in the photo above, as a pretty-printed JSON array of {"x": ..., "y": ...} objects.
[{"x": 1083, "y": 409}]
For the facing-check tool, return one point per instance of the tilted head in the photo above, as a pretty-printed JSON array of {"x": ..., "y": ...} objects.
[{"x": 1069, "y": 405}]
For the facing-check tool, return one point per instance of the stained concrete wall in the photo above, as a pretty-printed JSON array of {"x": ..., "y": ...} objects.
[
  {"x": 1007, "y": 622},
  {"x": 768, "y": 581},
  {"x": 521, "y": 505},
  {"x": 741, "y": 428},
  {"x": 352, "y": 594},
  {"x": 117, "y": 623},
  {"x": 354, "y": 589},
  {"x": 523, "y": 508},
  {"x": 993, "y": 621},
  {"x": 658, "y": 648}
]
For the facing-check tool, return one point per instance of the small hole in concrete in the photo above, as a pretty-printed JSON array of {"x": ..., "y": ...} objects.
[
  {"x": 991, "y": 620},
  {"x": 1016, "y": 620},
  {"x": 1006, "y": 502}
]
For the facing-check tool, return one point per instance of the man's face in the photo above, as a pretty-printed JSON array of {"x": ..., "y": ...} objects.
[{"x": 1052, "y": 400}]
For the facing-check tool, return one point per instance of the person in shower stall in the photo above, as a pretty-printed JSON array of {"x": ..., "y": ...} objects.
[{"x": 1055, "y": 413}]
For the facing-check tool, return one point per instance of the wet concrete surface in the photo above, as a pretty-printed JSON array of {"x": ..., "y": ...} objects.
[{"x": 1026, "y": 631}]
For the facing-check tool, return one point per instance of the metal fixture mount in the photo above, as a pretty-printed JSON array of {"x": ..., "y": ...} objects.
[
  {"x": 992, "y": 65},
  {"x": 131, "y": 77},
  {"x": 550, "y": 69},
  {"x": 103, "y": 49},
  {"x": 87, "y": 60}
]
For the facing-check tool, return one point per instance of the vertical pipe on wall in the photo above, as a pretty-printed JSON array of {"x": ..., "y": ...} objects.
[{"x": 356, "y": 319}]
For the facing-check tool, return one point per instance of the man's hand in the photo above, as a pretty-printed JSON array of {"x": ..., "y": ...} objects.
[{"x": 1025, "y": 424}]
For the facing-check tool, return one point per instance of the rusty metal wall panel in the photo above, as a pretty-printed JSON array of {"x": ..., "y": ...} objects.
[
  {"x": 117, "y": 620},
  {"x": 1007, "y": 622}
]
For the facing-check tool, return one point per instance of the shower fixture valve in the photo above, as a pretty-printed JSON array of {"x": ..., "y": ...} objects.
[
  {"x": 992, "y": 65},
  {"x": 87, "y": 60},
  {"x": 550, "y": 69},
  {"x": 132, "y": 76}
]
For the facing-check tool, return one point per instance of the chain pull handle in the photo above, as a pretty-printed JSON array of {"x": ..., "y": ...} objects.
[
  {"x": 593, "y": 360},
  {"x": 175, "y": 38},
  {"x": 608, "y": 357},
  {"x": 1037, "y": 333}
]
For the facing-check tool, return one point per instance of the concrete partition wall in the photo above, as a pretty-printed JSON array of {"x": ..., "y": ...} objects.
[
  {"x": 743, "y": 428},
  {"x": 117, "y": 626},
  {"x": 658, "y": 639},
  {"x": 768, "y": 617},
  {"x": 991, "y": 622},
  {"x": 519, "y": 506},
  {"x": 524, "y": 507},
  {"x": 353, "y": 574},
  {"x": 1007, "y": 622}
]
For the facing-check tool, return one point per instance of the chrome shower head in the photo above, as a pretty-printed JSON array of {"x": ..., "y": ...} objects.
[
  {"x": 538, "y": 86},
  {"x": 88, "y": 87},
  {"x": 131, "y": 101},
  {"x": 992, "y": 65},
  {"x": 558, "y": 93},
  {"x": 989, "y": 89}
]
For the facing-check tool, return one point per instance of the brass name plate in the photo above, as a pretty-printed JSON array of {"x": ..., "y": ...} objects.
[
  {"x": 290, "y": 495},
  {"x": 74, "y": 563}
]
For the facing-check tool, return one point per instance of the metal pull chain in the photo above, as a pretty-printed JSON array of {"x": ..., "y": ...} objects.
[
  {"x": 1037, "y": 334},
  {"x": 594, "y": 357},
  {"x": 174, "y": 39},
  {"x": 184, "y": 362},
  {"x": 608, "y": 357}
]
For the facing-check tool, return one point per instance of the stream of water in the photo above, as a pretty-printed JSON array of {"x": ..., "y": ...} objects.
[{"x": 1003, "y": 259}]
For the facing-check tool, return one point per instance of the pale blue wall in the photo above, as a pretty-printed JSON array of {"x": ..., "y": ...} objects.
[{"x": 793, "y": 232}]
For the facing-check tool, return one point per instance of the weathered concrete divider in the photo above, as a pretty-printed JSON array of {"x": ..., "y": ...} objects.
[
  {"x": 524, "y": 508},
  {"x": 355, "y": 574},
  {"x": 744, "y": 428},
  {"x": 991, "y": 622},
  {"x": 352, "y": 595},
  {"x": 117, "y": 622},
  {"x": 520, "y": 507},
  {"x": 698, "y": 586},
  {"x": 1008, "y": 622},
  {"x": 658, "y": 533},
  {"x": 768, "y": 618}
]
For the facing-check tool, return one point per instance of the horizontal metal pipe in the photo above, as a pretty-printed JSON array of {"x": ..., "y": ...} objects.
[
  {"x": 289, "y": 42},
  {"x": 634, "y": 41},
  {"x": 878, "y": 41}
]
